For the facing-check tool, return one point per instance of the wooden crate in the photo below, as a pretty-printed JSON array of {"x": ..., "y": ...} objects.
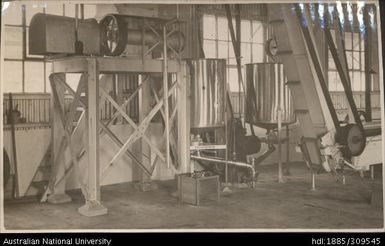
[{"x": 193, "y": 190}]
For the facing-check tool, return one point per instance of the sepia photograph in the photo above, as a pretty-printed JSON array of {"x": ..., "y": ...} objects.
[{"x": 191, "y": 116}]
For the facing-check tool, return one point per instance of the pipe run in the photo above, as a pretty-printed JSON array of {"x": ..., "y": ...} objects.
[{"x": 216, "y": 160}]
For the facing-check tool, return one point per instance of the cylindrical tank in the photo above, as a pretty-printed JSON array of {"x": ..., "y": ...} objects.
[
  {"x": 265, "y": 93},
  {"x": 207, "y": 92}
]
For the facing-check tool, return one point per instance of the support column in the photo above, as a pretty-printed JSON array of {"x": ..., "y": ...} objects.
[
  {"x": 93, "y": 207},
  {"x": 58, "y": 163},
  {"x": 183, "y": 104},
  {"x": 145, "y": 150},
  {"x": 368, "y": 65}
]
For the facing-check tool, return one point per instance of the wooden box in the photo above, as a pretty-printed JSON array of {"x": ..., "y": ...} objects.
[{"x": 193, "y": 190}]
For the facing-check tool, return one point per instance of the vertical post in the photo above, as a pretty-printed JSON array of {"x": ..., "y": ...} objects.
[
  {"x": 58, "y": 191},
  {"x": 93, "y": 206},
  {"x": 165, "y": 97},
  {"x": 287, "y": 169},
  {"x": 312, "y": 180},
  {"x": 368, "y": 65},
  {"x": 145, "y": 150},
  {"x": 280, "y": 179},
  {"x": 183, "y": 118},
  {"x": 371, "y": 171},
  {"x": 92, "y": 116}
]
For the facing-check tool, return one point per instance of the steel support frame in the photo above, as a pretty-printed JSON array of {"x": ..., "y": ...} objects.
[{"x": 89, "y": 83}]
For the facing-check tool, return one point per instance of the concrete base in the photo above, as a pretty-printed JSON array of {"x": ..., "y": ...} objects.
[
  {"x": 92, "y": 208},
  {"x": 59, "y": 198}
]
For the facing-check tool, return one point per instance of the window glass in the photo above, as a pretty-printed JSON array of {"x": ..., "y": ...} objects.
[
  {"x": 246, "y": 52},
  {"x": 349, "y": 57},
  {"x": 48, "y": 70},
  {"x": 356, "y": 60},
  {"x": 223, "y": 47},
  {"x": 69, "y": 10},
  {"x": 363, "y": 60},
  {"x": 209, "y": 27},
  {"x": 363, "y": 81},
  {"x": 348, "y": 41},
  {"x": 357, "y": 81},
  {"x": 209, "y": 48},
  {"x": 257, "y": 32},
  {"x": 72, "y": 80},
  {"x": 13, "y": 41},
  {"x": 54, "y": 9},
  {"x": 217, "y": 44},
  {"x": 245, "y": 31},
  {"x": 13, "y": 76},
  {"x": 223, "y": 29},
  {"x": 332, "y": 80},
  {"x": 232, "y": 79},
  {"x": 258, "y": 52},
  {"x": 89, "y": 11},
  {"x": 34, "y": 77},
  {"x": 33, "y": 8},
  {"x": 356, "y": 41},
  {"x": 339, "y": 86},
  {"x": 232, "y": 57},
  {"x": 12, "y": 15}
]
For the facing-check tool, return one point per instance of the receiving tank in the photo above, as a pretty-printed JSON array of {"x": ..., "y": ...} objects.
[
  {"x": 265, "y": 91},
  {"x": 207, "y": 92}
]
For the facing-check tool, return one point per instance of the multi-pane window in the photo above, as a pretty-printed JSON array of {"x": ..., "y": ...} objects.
[
  {"x": 25, "y": 72},
  {"x": 355, "y": 55},
  {"x": 217, "y": 44}
]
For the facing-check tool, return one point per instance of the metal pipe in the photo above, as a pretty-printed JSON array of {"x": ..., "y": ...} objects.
[{"x": 216, "y": 160}]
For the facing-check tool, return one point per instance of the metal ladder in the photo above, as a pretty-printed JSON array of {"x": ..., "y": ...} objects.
[{"x": 293, "y": 53}]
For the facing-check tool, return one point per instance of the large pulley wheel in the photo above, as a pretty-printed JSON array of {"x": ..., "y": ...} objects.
[
  {"x": 113, "y": 35},
  {"x": 6, "y": 169},
  {"x": 353, "y": 138}
]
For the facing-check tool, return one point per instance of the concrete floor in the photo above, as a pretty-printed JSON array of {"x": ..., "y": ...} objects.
[{"x": 270, "y": 205}]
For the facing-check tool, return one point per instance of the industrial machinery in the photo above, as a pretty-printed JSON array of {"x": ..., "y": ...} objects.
[
  {"x": 148, "y": 48},
  {"x": 269, "y": 104},
  {"x": 217, "y": 139},
  {"x": 326, "y": 142},
  {"x": 74, "y": 34},
  {"x": 119, "y": 30},
  {"x": 109, "y": 37}
]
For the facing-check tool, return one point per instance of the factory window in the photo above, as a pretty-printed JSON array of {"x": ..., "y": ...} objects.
[
  {"x": 24, "y": 72},
  {"x": 217, "y": 44},
  {"x": 355, "y": 55}
]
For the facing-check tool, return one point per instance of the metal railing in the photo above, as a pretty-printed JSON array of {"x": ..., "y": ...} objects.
[
  {"x": 338, "y": 99},
  {"x": 35, "y": 108}
]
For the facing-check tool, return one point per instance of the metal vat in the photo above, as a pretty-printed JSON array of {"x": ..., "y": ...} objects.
[
  {"x": 265, "y": 92},
  {"x": 207, "y": 92}
]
